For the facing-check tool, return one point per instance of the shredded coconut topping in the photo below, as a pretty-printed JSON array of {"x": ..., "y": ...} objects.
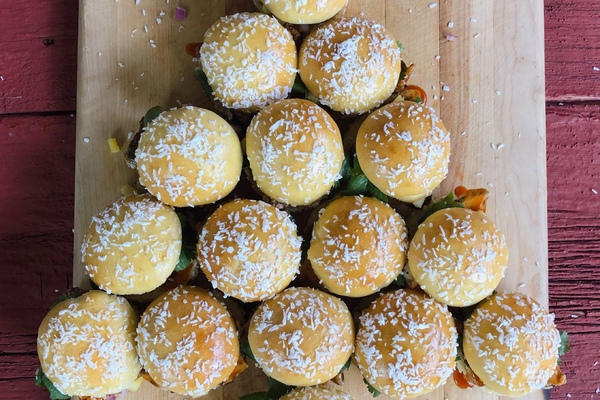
[
  {"x": 404, "y": 150},
  {"x": 458, "y": 256},
  {"x": 304, "y": 11},
  {"x": 406, "y": 343},
  {"x": 249, "y": 249},
  {"x": 302, "y": 334},
  {"x": 511, "y": 342},
  {"x": 189, "y": 156},
  {"x": 249, "y": 59},
  {"x": 187, "y": 341},
  {"x": 132, "y": 246},
  {"x": 358, "y": 246},
  {"x": 86, "y": 345},
  {"x": 351, "y": 64},
  {"x": 295, "y": 151},
  {"x": 316, "y": 393}
]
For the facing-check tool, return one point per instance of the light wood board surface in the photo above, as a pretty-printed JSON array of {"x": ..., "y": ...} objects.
[{"x": 488, "y": 85}]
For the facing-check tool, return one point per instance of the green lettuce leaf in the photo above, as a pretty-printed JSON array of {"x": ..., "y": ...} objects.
[{"x": 42, "y": 380}]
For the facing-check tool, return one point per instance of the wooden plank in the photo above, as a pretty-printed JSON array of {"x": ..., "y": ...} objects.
[
  {"x": 497, "y": 99},
  {"x": 501, "y": 38},
  {"x": 36, "y": 193},
  {"x": 38, "y": 62},
  {"x": 572, "y": 50},
  {"x": 574, "y": 240}
]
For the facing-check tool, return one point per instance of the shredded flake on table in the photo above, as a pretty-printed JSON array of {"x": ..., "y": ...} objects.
[
  {"x": 596, "y": 69},
  {"x": 475, "y": 36},
  {"x": 137, "y": 2},
  {"x": 158, "y": 20},
  {"x": 522, "y": 284},
  {"x": 594, "y": 191},
  {"x": 446, "y": 88},
  {"x": 498, "y": 92},
  {"x": 432, "y": 5},
  {"x": 113, "y": 145},
  {"x": 121, "y": 65},
  {"x": 450, "y": 24},
  {"x": 180, "y": 13},
  {"x": 86, "y": 139},
  {"x": 451, "y": 38},
  {"x": 143, "y": 12}
]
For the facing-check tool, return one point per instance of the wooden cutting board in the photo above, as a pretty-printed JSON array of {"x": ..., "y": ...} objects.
[{"x": 481, "y": 62}]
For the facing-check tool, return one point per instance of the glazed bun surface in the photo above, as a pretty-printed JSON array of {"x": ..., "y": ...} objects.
[
  {"x": 295, "y": 151},
  {"x": 352, "y": 65},
  {"x": 132, "y": 246},
  {"x": 86, "y": 345},
  {"x": 316, "y": 393},
  {"x": 406, "y": 344},
  {"x": 249, "y": 249},
  {"x": 511, "y": 343},
  {"x": 358, "y": 246},
  {"x": 458, "y": 256},
  {"x": 189, "y": 157},
  {"x": 250, "y": 60},
  {"x": 187, "y": 341},
  {"x": 304, "y": 11},
  {"x": 404, "y": 150},
  {"x": 302, "y": 336}
]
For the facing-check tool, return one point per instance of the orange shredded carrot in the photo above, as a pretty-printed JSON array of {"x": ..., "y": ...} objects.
[{"x": 474, "y": 199}]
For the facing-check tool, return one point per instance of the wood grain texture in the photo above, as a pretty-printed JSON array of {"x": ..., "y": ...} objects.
[
  {"x": 574, "y": 240},
  {"x": 36, "y": 210},
  {"x": 573, "y": 50},
  {"x": 493, "y": 102},
  {"x": 38, "y": 47}
]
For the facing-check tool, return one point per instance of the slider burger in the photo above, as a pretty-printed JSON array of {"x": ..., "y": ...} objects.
[
  {"x": 302, "y": 336},
  {"x": 320, "y": 392},
  {"x": 189, "y": 157},
  {"x": 458, "y": 256},
  {"x": 352, "y": 65},
  {"x": 249, "y": 60},
  {"x": 249, "y": 250},
  {"x": 510, "y": 346},
  {"x": 133, "y": 246},
  {"x": 358, "y": 246},
  {"x": 404, "y": 149},
  {"x": 188, "y": 343},
  {"x": 304, "y": 11},
  {"x": 406, "y": 344},
  {"x": 86, "y": 346},
  {"x": 295, "y": 151}
]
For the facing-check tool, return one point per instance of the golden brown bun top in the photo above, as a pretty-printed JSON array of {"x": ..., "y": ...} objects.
[
  {"x": 132, "y": 246},
  {"x": 404, "y": 149},
  {"x": 188, "y": 157},
  {"x": 86, "y": 345},
  {"x": 352, "y": 65},
  {"x": 302, "y": 336},
  {"x": 406, "y": 343},
  {"x": 458, "y": 256},
  {"x": 511, "y": 343},
  {"x": 304, "y": 11},
  {"x": 249, "y": 249},
  {"x": 187, "y": 341},
  {"x": 358, "y": 246},
  {"x": 295, "y": 151},
  {"x": 250, "y": 60},
  {"x": 320, "y": 392}
]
